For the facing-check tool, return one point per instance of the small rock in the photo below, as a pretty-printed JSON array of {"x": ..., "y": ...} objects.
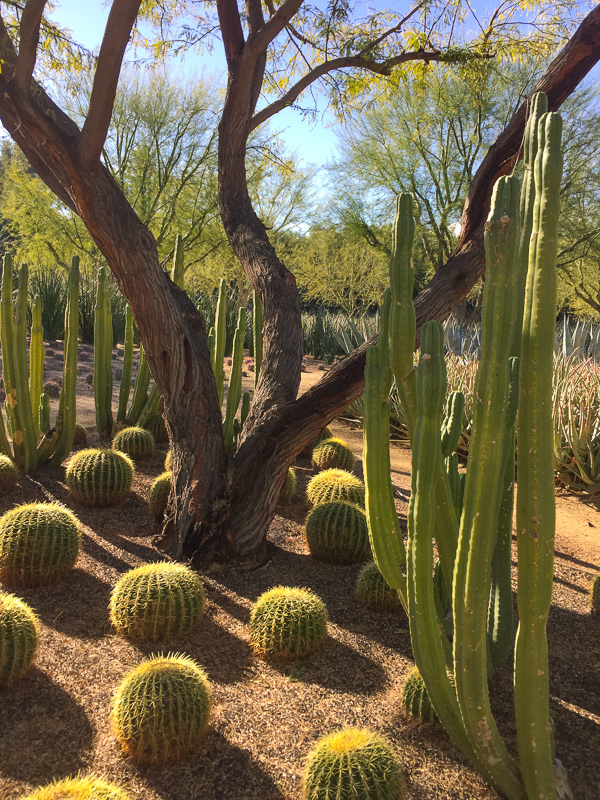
[{"x": 322, "y": 368}]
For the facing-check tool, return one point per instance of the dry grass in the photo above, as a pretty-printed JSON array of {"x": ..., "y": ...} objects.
[{"x": 55, "y": 721}]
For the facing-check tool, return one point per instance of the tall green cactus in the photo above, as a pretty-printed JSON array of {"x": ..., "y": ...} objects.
[
  {"x": 103, "y": 378},
  {"x": 36, "y": 361},
  {"x": 234, "y": 391},
  {"x": 24, "y": 433},
  {"x": 125, "y": 387}
]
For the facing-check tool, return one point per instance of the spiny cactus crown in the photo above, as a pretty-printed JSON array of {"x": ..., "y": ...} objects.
[
  {"x": 18, "y": 638},
  {"x": 353, "y": 764},
  {"x": 415, "y": 698},
  {"x": 99, "y": 477},
  {"x": 8, "y": 474},
  {"x": 335, "y": 484},
  {"x": 134, "y": 442},
  {"x": 287, "y": 623},
  {"x": 289, "y": 487},
  {"x": 325, "y": 434},
  {"x": 39, "y": 543},
  {"x": 80, "y": 788},
  {"x": 337, "y": 532},
  {"x": 156, "y": 425},
  {"x": 157, "y": 600},
  {"x": 159, "y": 495},
  {"x": 332, "y": 454},
  {"x": 373, "y": 591},
  {"x": 161, "y": 710},
  {"x": 169, "y": 462}
]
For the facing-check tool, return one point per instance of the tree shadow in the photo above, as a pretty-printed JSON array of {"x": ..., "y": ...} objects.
[
  {"x": 44, "y": 732},
  {"x": 219, "y": 770},
  {"x": 575, "y": 735}
]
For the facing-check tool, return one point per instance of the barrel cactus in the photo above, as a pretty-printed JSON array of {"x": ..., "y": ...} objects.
[
  {"x": 335, "y": 484},
  {"x": 157, "y": 600},
  {"x": 373, "y": 591},
  {"x": 332, "y": 454},
  {"x": 80, "y": 437},
  {"x": 289, "y": 487},
  {"x": 79, "y": 788},
  {"x": 135, "y": 442},
  {"x": 353, "y": 764},
  {"x": 595, "y": 595},
  {"x": 8, "y": 474},
  {"x": 415, "y": 698},
  {"x": 159, "y": 495},
  {"x": 18, "y": 638},
  {"x": 39, "y": 543},
  {"x": 99, "y": 477},
  {"x": 156, "y": 425},
  {"x": 325, "y": 434},
  {"x": 160, "y": 712},
  {"x": 337, "y": 532},
  {"x": 287, "y": 623}
]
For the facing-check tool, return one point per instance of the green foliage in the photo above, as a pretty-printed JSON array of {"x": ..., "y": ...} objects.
[
  {"x": 325, "y": 434},
  {"x": 134, "y": 442},
  {"x": 18, "y": 638},
  {"x": 156, "y": 425},
  {"x": 161, "y": 710},
  {"x": 595, "y": 595},
  {"x": 335, "y": 484},
  {"x": 373, "y": 591},
  {"x": 81, "y": 788},
  {"x": 332, "y": 454},
  {"x": 39, "y": 543},
  {"x": 353, "y": 764},
  {"x": 415, "y": 698},
  {"x": 99, "y": 477},
  {"x": 159, "y": 495},
  {"x": 337, "y": 532},
  {"x": 289, "y": 487},
  {"x": 8, "y": 474},
  {"x": 157, "y": 601},
  {"x": 287, "y": 623}
]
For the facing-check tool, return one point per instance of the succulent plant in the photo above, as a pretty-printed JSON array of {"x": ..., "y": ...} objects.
[
  {"x": 289, "y": 487},
  {"x": 134, "y": 442},
  {"x": 160, "y": 712},
  {"x": 337, "y": 532},
  {"x": 80, "y": 436},
  {"x": 18, "y": 638},
  {"x": 373, "y": 591},
  {"x": 99, "y": 477},
  {"x": 353, "y": 764},
  {"x": 415, "y": 698},
  {"x": 287, "y": 623},
  {"x": 8, "y": 474},
  {"x": 332, "y": 454},
  {"x": 159, "y": 495},
  {"x": 156, "y": 425},
  {"x": 157, "y": 600},
  {"x": 80, "y": 788},
  {"x": 335, "y": 484},
  {"x": 169, "y": 462},
  {"x": 595, "y": 595},
  {"x": 325, "y": 434},
  {"x": 39, "y": 543}
]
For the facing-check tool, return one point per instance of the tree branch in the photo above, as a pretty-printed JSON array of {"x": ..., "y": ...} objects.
[
  {"x": 258, "y": 44},
  {"x": 29, "y": 36},
  {"x": 121, "y": 20},
  {"x": 231, "y": 30}
]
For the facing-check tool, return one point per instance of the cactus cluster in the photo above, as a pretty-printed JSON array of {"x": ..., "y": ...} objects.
[
  {"x": 155, "y": 601},
  {"x": 39, "y": 543},
  {"x": 332, "y": 454},
  {"x": 99, "y": 477},
  {"x": 288, "y": 623},
  {"x": 135, "y": 442},
  {"x": 161, "y": 710},
  {"x": 337, "y": 532},
  {"x": 353, "y": 764},
  {"x": 289, "y": 487},
  {"x": 335, "y": 484},
  {"x": 595, "y": 595},
  {"x": 8, "y": 474},
  {"x": 415, "y": 697},
  {"x": 373, "y": 591},
  {"x": 18, "y": 638},
  {"x": 325, "y": 434},
  {"x": 159, "y": 496},
  {"x": 80, "y": 788},
  {"x": 156, "y": 425}
]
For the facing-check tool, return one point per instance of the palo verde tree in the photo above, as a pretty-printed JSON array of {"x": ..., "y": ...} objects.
[{"x": 223, "y": 501}]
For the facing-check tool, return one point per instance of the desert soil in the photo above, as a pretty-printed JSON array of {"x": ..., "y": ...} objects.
[{"x": 265, "y": 719}]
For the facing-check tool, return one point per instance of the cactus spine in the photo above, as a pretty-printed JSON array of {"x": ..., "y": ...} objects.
[
  {"x": 257, "y": 331},
  {"x": 337, "y": 532},
  {"x": 220, "y": 338},
  {"x": 81, "y": 788},
  {"x": 288, "y": 623},
  {"x": 234, "y": 391},
  {"x": 103, "y": 380},
  {"x": 36, "y": 361},
  {"x": 8, "y": 363},
  {"x": 25, "y": 433},
  {"x": 125, "y": 387},
  {"x": 18, "y": 638}
]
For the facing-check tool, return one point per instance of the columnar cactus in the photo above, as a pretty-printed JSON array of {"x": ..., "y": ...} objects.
[
  {"x": 39, "y": 543},
  {"x": 332, "y": 454},
  {"x": 18, "y": 638},
  {"x": 288, "y": 623},
  {"x": 595, "y": 595},
  {"x": 289, "y": 487},
  {"x": 335, "y": 484},
  {"x": 103, "y": 343},
  {"x": 337, "y": 532},
  {"x": 159, "y": 495},
  {"x": 99, "y": 477},
  {"x": 156, "y": 601},
  {"x": 81, "y": 788},
  {"x": 125, "y": 385},
  {"x": 135, "y": 442},
  {"x": 140, "y": 390},
  {"x": 156, "y": 425},
  {"x": 36, "y": 361},
  {"x": 8, "y": 474},
  {"x": 415, "y": 697},
  {"x": 374, "y": 592},
  {"x": 353, "y": 764},
  {"x": 161, "y": 710},
  {"x": 234, "y": 390}
]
